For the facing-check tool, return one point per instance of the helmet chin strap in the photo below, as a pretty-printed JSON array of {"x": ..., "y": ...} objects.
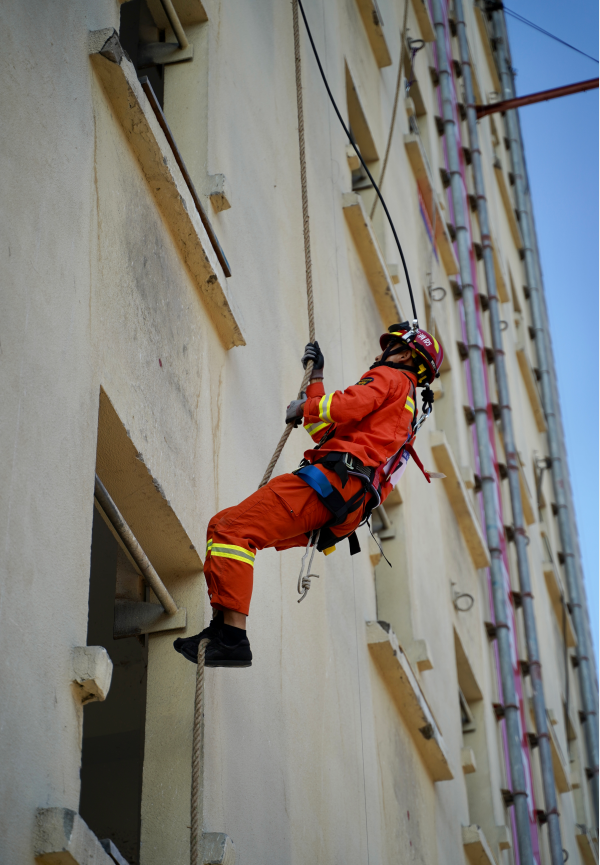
[{"x": 406, "y": 366}]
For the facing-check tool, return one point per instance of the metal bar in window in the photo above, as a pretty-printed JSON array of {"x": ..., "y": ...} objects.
[
  {"x": 112, "y": 512},
  {"x": 147, "y": 87}
]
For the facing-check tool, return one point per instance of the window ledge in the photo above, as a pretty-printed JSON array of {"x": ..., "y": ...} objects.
[
  {"x": 62, "y": 836},
  {"x": 424, "y": 19},
  {"x": 556, "y": 595},
  {"x": 477, "y": 849},
  {"x": 459, "y": 499},
  {"x": 530, "y": 382},
  {"x": 418, "y": 162},
  {"x": 371, "y": 258},
  {"x": 172, "y": 194},
  {"x": 587, "y": 848},
  {"x": 409, "y": 698},
  {"x": 374, "y": 27},
  {"x": 508, "y": 205},
  {"x": 559, "y": 764}
]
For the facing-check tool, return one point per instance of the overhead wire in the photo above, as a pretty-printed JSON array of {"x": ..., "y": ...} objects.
[
  {"x": 362, "y": 161},
  {"x": 517, "y": 16}
]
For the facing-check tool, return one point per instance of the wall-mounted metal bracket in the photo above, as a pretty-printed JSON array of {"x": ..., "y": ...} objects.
[
  {"x": 164, "y": 53},
  {"x": 133, "y": 618}
]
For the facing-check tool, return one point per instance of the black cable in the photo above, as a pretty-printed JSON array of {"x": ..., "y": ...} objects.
[
  {"x": 351, "y": 139},
  {"x": 546, "y": 33}
]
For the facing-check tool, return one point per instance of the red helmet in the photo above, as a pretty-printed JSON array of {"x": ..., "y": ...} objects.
[{"x": 422, "y": 344}]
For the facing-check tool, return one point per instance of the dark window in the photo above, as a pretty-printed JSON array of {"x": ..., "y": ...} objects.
[
  {"x": 113, "y": 731},
  {"x": 137, "y": 31}
]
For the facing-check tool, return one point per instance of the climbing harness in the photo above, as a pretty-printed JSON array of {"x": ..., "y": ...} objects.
[{"x": 304, "y": 579}]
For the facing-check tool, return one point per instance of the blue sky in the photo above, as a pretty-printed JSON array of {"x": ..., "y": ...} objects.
[{"x": 561, "y": 141}]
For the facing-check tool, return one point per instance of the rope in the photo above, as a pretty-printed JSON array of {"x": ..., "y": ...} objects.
[
  {"x": 197, "y": 754},
  {"x": 393, "y": 121},
  {"x": 306, "y": 229}
]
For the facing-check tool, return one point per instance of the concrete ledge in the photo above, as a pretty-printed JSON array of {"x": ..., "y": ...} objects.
[
  {"x": 374, "y": 27},
  {"x": 92, "y": 673},
  {"x": 418, "y": 161},
  {"x": 409, "y": 698},
  {"x": 559, "y": 764},
  {"x": 172, "y": 194},
  {"x": 217, "y": 849},
  {"x": 532, "y": 389},
  {"x": 556, "y": 594},
  {"x": 424, "y": 19},
  {"x": 500, "y": 272},
  {"x": 477, "y": 849},
  {"x": 62, "y": 838},
  {"x": 419, "y": 655},
  {"x": 468, "y": 761},
  {"x": 508, "y": 205},
  {"x": 459, "y": 499},
  {"x": 529, "y": 511},
  {"x": 585, "y": 842},
  {"x": 371, "y": 258}
]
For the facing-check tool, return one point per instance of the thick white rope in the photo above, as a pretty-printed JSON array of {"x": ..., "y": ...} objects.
[
  {"x": 197, "y": 747},
  {"x": 307, "y": 256}
]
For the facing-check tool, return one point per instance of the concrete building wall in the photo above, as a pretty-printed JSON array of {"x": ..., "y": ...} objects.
[{"x": 118, "y": 359}]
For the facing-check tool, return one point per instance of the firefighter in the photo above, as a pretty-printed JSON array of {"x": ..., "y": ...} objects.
[{"x": 362, "y": 441}]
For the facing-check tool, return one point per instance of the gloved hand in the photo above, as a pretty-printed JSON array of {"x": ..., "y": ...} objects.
[
  {"x": 295, "y": 410},
  {"x": 314, "y": 353}
]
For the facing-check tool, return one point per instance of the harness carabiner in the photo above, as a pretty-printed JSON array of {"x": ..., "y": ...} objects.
[{"x": 304, "y": 579}]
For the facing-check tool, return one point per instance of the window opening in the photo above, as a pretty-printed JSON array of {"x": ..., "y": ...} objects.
[
  {"x": 466, "y": 716},
  {"x": 113, "y": 730},
  {"x": 138, "y": 30}
]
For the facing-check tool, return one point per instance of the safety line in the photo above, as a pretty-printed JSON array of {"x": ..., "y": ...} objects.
[{"x": 362, "y": 161}]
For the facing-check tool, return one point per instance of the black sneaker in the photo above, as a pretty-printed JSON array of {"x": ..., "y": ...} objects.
[
  {"x": 188, "y": 646},
  {"x": 221, "y": 654}
]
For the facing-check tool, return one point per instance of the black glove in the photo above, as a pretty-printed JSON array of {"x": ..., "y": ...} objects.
[
  {"x": 314, "y": 353},
  {"x": 295, "y": 411}
]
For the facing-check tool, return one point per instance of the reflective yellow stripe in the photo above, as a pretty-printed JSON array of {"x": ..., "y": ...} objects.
[
  {"x": 410, "y": 405},
  {"x": 313, "y": 428},
  {"x": 209, "y": 544},
  {"x": 325, "y": 407},
  {"x": 246, "y": 559},
  {"x": 436, "y": 344},
  {"x": 222, "y": 547}
]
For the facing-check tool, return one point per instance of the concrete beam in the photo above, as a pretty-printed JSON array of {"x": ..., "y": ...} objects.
[
  {"x": 508, "y": 205},
  {"x": 459, "y": 499},
  {"x": 409, "y": 699},
  {"x": 371, "y": 257},
  {"x": 374, "y": 27},
  {"x": 477, "y": 849},
  {"x": 586, "y": 845},
  {"x": 61, "y": 837},
  {"x": 424, "y": 19},
  {"x": 557, "y": 593},
  {"x": 531, "y": 387},
  {"x": 171, "y": 192},
  {"x": 420, "y": 166}
]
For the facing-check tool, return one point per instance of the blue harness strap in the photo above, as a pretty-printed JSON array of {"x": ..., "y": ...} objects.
[{"x": 315, "y": 479}]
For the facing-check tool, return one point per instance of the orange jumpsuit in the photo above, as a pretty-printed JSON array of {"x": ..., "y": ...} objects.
[{"x": 372, "y": 420}]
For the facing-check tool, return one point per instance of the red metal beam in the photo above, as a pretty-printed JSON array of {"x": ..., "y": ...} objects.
[{"x": 542, "y": 96}]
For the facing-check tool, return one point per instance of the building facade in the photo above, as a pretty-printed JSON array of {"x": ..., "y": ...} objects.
[{"x": 154, "y": 313}]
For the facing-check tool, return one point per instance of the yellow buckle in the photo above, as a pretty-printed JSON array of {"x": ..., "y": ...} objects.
[{"x": 329, "y": 550}]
